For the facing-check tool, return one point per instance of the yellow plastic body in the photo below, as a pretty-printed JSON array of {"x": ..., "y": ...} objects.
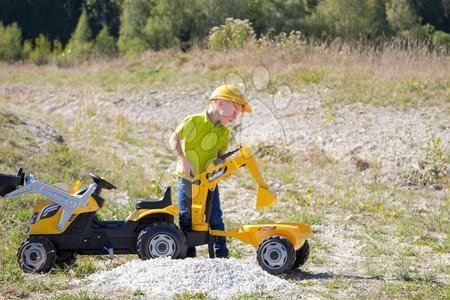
[
  {"x": 296, "y": 233},
  {"x": 141, "y": 213},
  {"x": 50, "y": 225},
  {"x": 207, "y": 181}
]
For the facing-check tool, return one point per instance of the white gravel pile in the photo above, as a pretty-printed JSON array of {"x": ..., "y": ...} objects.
[{"x": 164, "y": 277}]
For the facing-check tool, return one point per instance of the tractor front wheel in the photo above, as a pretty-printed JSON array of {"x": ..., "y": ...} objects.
[
  {"x": 161, "y": 239},
  {"x": 276, "y": 254},
  {"x": 36, "y": 254}
]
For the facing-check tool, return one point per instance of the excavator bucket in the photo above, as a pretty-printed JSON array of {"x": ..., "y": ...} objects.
[{"x": 264, "y": 198}]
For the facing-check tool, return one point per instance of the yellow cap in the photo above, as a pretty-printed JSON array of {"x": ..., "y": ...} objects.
[{"x": 231, "y": 93}]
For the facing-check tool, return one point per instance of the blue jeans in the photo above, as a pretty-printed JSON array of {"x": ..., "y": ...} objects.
[{"x": 216, "y": 221}]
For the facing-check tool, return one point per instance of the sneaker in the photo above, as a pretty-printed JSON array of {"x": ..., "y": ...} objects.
[
  {"x": 191, "y": 252},
  {"x": 222, "y": 253}
]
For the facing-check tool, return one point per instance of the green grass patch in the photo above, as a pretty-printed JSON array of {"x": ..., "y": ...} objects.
[
  {"x": 192, "y": 296},
  {"x": 303, "y": 76},
  {"x": 405, "y": 92},
  {"x": 414, "y": 290}
]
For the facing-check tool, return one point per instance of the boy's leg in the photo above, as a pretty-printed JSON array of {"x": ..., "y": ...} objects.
[
  {"x": 216, "y": 223},
  {"x": 185, "y": 203}
]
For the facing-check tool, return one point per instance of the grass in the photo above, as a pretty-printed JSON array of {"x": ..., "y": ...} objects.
[
  {"x": 51, "y": 162},
  {"x": 192, "y": 296},
  {"x": 403, "y": 232},
  {"x": 303, "y": 201},
  {"x": 394, "y": 77}
]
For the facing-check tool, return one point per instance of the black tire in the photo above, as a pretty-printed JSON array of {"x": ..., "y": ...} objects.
[
  {"x": 36, "y": 254},
  {"x": 301, "y": 256},
  {"x": 66, "y": 259},
  {"x": 161, "y": 239},
  {"x": 276, "y": 254}
]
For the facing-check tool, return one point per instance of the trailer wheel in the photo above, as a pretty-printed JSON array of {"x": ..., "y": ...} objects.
[
  {"x": 36, "y": 254},
  {"x": 301, "y": 255},
  {"x": 276, "y": 254},
  {"x": 161, "y": 239},
  {"x": 66, "y": 259}
]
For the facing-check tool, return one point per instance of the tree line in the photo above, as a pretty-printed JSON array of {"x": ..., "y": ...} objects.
[{"x": 75, "y": 28}]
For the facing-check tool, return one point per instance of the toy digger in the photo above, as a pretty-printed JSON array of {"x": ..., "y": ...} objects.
[{"x": 66, "y": 223}]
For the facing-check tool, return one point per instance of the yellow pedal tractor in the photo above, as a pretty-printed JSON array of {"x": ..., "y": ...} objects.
[{"x": 65, "y": 224}]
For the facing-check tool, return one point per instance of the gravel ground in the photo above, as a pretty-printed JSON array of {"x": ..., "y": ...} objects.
[
  {"x": 164, "y": 277},
  {"x": 392, "y": 141},
  {"x": 389, "y": 139}
]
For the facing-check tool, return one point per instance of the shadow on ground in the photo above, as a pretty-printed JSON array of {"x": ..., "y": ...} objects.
[{"x": 300, "y": 276}]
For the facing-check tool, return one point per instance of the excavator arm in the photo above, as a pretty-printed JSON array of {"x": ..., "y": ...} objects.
[{"x": 222, "y": 168}]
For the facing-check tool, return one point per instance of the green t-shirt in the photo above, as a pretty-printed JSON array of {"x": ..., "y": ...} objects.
[{"x": 201, "y": 141}]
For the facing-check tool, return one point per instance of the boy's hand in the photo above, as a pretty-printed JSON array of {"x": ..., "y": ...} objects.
[{"x": 188, "y": 169}]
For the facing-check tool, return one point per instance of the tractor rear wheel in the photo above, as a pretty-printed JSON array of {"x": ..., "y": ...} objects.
[
  {"x": 301, "y": 255},
  {"x": 161, "y": 239},
  {"x": 36, "y": 254},
  {"x": 276, "y": 254}
]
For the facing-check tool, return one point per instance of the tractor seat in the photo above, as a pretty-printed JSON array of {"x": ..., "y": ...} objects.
[{"x": 165, "y": 201}]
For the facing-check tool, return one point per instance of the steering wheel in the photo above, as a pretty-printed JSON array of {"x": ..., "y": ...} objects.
[{"x": 102, "y": 182}]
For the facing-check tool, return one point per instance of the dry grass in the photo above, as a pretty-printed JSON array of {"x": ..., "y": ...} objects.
[
  {"x": 391, "y": 60},
  {"x": 393, "y": 74}
]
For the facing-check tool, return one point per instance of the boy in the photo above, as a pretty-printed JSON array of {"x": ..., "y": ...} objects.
[{"x": 196, "y": 142}]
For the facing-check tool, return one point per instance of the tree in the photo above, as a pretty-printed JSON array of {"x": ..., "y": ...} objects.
[
  {"x": 10, "y": 47},
  {"x": 159, "y": 33},
  {"x": 345, "y": 18},
  {"x": 133, "y": 21},
  {"x": 56, "y": 19},
  {"x": 105, "y": 43},
  {"x": 104, "y": 13},
  {"x": 42, "y": 50},
  {"x": 80, "y": 44},
  {"x": 401, "y": 15},
  {"x": 284, "y": 16},
  {"x": 377, "y": 15},
  {"x": 434, "y": 12}
]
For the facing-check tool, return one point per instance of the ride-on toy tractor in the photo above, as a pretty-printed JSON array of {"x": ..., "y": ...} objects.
[{"x": 66, "y": 224}]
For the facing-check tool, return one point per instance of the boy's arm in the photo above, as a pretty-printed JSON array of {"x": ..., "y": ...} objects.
[{"x": 175, "y": 145}]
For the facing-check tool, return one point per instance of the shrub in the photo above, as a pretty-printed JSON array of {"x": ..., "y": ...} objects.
[
  {"x": 235, "y": 33},
  {"x": 42, "y": 51},
  {"x": 433, "y": 168},
  {"x": 288, "y": 41},
  {"x": 10, "y": 46},
  {"x": 418, "y": 33},
  {"x": 133, "y": 46},
  {"x": 57, "y": 47},
  {"x": 441, "y": 39}
]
